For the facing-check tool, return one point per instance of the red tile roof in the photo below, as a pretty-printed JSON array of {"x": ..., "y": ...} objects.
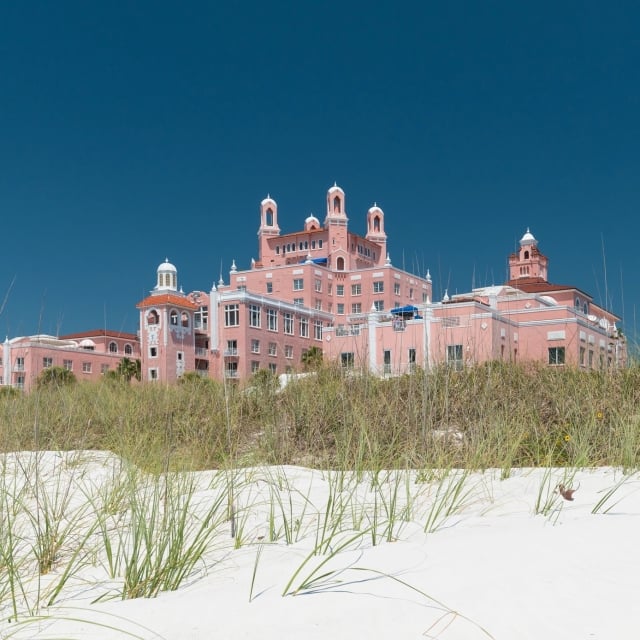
[
  {"x": 100, "y": 333},
  {"x": 167, "y": 298}
]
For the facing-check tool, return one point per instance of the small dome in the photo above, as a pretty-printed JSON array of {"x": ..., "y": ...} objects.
[
  {"x": 268, "y": 201},
  {"x": 528, "y": 238},
  {"x": 336, "y": 189},
  {"x": 312, "y": 220},
  {"x": 167, "y": 266}
]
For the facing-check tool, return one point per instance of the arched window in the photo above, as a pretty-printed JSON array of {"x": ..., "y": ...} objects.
[
  {"x": 185, "y": 319},
  {"x": 269, "y": 217},
  {"x": 152, "y": 317},
  {"x": 578, "y": 304},
  {"x": 340, "y": 264},
  {"x": 376, "y": 223},
  {"x": 336, "y": 205},
  {"x": 128, "y": 349},
  {"x": 113, "y": 347},
  {"x": 526, "y": 255},
  {"x": 173, "y": 317}
]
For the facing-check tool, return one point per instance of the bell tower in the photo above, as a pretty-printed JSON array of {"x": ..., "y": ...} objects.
[{"x": 528, "y": 262}]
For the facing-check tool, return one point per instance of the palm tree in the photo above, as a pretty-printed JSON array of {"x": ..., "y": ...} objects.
[{"x": 128, "y": 369}]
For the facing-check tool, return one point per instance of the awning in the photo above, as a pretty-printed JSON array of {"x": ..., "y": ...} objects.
[{"x": 404, "y": 310}]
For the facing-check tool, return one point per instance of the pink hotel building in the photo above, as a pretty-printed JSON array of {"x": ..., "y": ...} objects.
[{"x": 328, "y": 288}]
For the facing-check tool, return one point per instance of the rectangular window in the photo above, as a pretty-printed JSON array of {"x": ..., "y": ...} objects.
[
  {"x": 590, "y": 358},
  {"x": 356, "y": 307},
  {"x": 255, "y": 346},
  {"x": 425, "y": 297},
  {"x": 298, "y": 284},
  {"x": 254, "y": 315},
  {"x": 255, "y": 366},
  {"x": 47, "y": 362},
  {"x": 273, "y": 367},
  {"x": 231, "y": 369},
  {"x": 86, "y": 367},
  {"x": 412, "y": 359},
  {"x": 200, "y": 318},
  {"x": 153, "y": 352},
  {"x": 269, "y": 287},
  {"x": 317, "y": 285},
  {"x": 556, "y": 355},
  {"x": 68, "y": 365},
  {"x": 288, "y": 323},
  {"x": 19, "y": 364},
  {"x": 272, "y": 319},
  {"x": 378, "y": 287},
  {"x": 232, "y": 348},
  {"x": 454, "y": 356},
  {"x": 340, "y": 308},
  {"x": 340, "y": 290},
  {"x": 396, "y": 288},
  {"x": 318, "y": 304},
  {"x": 299, "y": 302},
  {"x": 104, "y": 368},
  {"x": 411, "y": 294},
  {"x": 273, "y": 349},
  {"x": 378, "y": 305},
  {"x": 304, "y": 327},
  {"x": 329, "y": 288},
  {"x": 153, "y": 374},
  {"x": 387, "y": 361},
  {"x": 583, "y": 353},
  {"x": 346, "y": 359},
  {"x": 356, "y": 289},
  {"x": 231, "y": 315},
  {"x": 288, "y": 351},
  {"x": 317, "y": 329}
]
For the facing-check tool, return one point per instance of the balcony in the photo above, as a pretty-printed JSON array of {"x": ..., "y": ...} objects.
[
  {"x": 201, "y": 351},
  {"x": 230, "y": 353},
  {"x": 231, "y": 374}
]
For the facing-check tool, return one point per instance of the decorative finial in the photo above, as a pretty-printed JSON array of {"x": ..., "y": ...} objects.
[
  {"x": 234, "y": 269},
  {"x": 445, "y": 297},
  {"x": 388, "y": 260},
  {"x": 309, "y": 259}
]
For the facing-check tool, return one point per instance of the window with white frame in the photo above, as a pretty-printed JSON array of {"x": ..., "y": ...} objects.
[
  {"x": 232, "y": 348},
  {"x": 298, "y": 284},
  {"x": 269, "y": 286},
  {"x": 356, "y": 289},
  {"x": 454, "y": 355},
  {"x": 47, "y": 362},
  {"x": 128, "y": 349},
  {"x": 318, "y": 304},
  {"x": 104, "y": 368},
  {"x": 231, "y": 315},
  {"x": 19, "y": 365},
  {"x": 272, "y": 319},
  {"x": 340, "y": 308},
  {"x": 299, "y": 302},
  {"x": 68, "y": 365},
  {"x": 287, "y": 319},
  {"x": 317, "y": 284},
  {"x": 273, "y": 349},
  {"x": 378, "y": 305},
  {"x": 396, "y": 288},
  {"x": 86, "y": 367},
  {"x": 255, "y": 346},
  {"x": 317, "y": 329},
  {"x": 113, "y": 347},
  {"x": 556, "y": 355},
  {"x": 340, "y": 290},
  {"x": 356, "y": 307},
  {"x": 288, "y": 351},
  {"x": 378, "y": 286},
  {"x": 304, "y": 327},
  {"x": 173, "y": 318},
  {"x": 254, "y": 315},
  {"x": 255, "y": 366},
  {"x": 273, "y": 367}
]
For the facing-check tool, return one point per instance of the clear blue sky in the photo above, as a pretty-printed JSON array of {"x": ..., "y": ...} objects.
[{"x": 135, "y": 131}]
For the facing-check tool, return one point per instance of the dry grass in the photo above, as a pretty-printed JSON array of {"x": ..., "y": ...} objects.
[{"x": 492, "y": 415}]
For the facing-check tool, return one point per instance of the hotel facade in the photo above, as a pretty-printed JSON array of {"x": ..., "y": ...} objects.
[{"x": 326, "y": 290}]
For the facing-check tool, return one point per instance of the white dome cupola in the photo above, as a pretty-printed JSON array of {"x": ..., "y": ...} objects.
[
  {"x": 167, "y": 277},
  {"x": 528, "y": 239}
]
